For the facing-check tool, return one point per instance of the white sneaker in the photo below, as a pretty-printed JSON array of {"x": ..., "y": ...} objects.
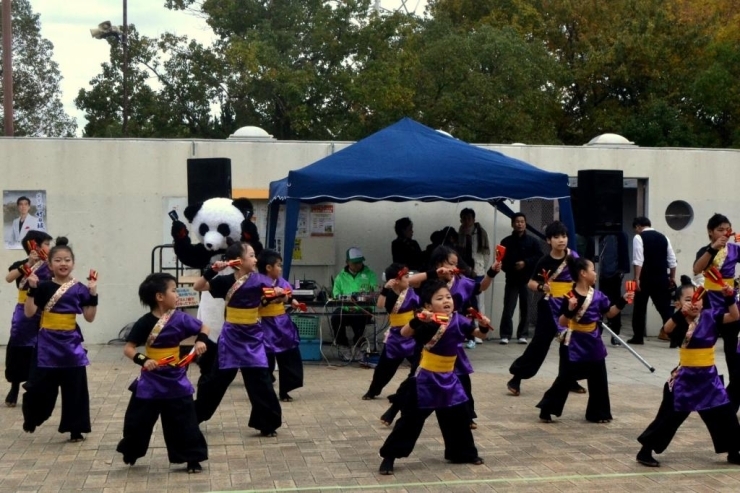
[
  {"x": 522, "y": 340},
  {"x": 504, "y": 341},
  {"x": 470, "y": 344},
  {"x": 478, "y": 340}
]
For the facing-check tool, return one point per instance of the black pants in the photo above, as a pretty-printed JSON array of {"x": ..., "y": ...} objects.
[
  {"x": 182, "y": 437},
  {"x": 266, "y": 415},
  {"x": 385, "y": 371},
  {"x": 341, "y": 319},
  {"x": 720, "y": 421},
  {"x": 528, "y": 364},
  {"x": 512, "y": 293},
  {"x": 206, "y": 361},
  {"x": 468, "y": 386},
  {"x": 598, "y": 407},
  {"x": 291, "y": 369},
  {"x": 18, "y": 363},
  {"x": 612, "y": 288},
  {"x": 42, "y": 389},
  {"x": 661, "y": 299},
  {"x": 453, "y": 421},
  {"x": 729, "y": 334}
]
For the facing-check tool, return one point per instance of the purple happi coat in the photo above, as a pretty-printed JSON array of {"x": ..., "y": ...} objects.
[
  {"x": 716, "y": 299},
  {"x": 281, "y": 334},
  {"x": 588, "y": 346},
  {"x": 557, "y": 303},
  {"x": 396, "y": 345},
  {"x": 700, "y": 388},
  {"x": 437, "y": 390},
  {"x": 169, "y": 382},
  {"x": 243, "y": 345},
  {"x": 63, "y": 348},
  {"x": 24, "y": 330}
]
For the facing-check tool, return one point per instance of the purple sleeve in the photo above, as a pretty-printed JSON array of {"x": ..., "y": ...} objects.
[{"x": 190, "y": 325}]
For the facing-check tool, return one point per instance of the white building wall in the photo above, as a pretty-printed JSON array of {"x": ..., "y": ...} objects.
[{"x": 107, "y": 196}]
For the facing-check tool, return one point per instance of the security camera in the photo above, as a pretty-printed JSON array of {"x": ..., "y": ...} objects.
[{"x": 105, "y": 30}]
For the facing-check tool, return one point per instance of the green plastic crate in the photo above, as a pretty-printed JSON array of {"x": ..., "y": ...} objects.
[{"x": 308, "y": 326}]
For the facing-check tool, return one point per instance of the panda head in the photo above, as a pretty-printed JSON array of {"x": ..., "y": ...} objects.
[{"x": 218, "y": 222}]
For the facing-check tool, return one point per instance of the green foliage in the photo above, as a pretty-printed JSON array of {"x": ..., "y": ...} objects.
[
  {"x": 37, "y": 105},
  {"x": 660, "y": 72}
]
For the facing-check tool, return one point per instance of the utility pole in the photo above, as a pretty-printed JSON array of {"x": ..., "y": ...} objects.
[
  {"x": 125, "y": 69},
  {"x": 7, "y": 68}
]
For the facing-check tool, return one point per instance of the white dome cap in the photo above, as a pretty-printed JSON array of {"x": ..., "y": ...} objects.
[
  {"x": 609, "y": 140},
  {"x": 251, "y": 133}
]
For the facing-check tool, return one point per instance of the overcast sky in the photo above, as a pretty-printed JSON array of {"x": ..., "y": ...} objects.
[{"x": 67, "y": 24}]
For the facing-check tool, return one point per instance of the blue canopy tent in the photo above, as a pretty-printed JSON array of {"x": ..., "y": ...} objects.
[{"x": 411, "y": 162}]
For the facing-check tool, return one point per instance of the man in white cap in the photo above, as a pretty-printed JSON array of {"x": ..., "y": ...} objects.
[{"x": 355, "y": 278}]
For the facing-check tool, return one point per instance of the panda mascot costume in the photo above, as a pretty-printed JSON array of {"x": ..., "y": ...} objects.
[{"x": 217, "y": 223}]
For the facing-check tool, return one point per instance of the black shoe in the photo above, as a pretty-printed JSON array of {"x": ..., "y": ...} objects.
[
  {"x": 268, "y": 433},
  {"x": 513, "y": 386},
  {"x": 734, "y": 458},
  {"x": 645, "y": 457},
  {"x": 285, "y": 398},
  {"x": 28, "y": 428},
  {"x": 634, "y": 341},
  {"x": 368, "y": 396},
  {"x": 615, "y": 342},
  {"x": 76, "y": 437},
  {"x": 12, "y": 398},
  {"x": 545, "y": 417},
  {"x": 194, "y": 468},
  {"x": 577, "y": 388},
  {"x": 386, "y": 467},
  {"x": 129, "y": 461}
]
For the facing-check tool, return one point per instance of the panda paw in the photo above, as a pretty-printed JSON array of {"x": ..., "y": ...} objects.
[{"x": 179, "y": 230}]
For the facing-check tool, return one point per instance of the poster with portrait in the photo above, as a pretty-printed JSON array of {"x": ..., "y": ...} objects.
[{"x": 23, "y": 211}]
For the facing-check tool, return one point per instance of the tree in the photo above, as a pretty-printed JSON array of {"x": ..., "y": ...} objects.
[
  {"x": 487, "y": 85},
  {"x": 173, "y": 85},
  {"x": 38, "y": 109}
]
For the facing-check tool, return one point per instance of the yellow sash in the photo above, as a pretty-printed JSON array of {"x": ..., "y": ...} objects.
[
  {"x": 242, "y": 316},
  {"x": 22, "y": 295},
  {"x": 436, "y": 363},
  {"x": 710, "y": 285},
  {"x": 696, "y": 357},
  {"x": 158, "y": 353},
  {"x": 271, "y": 310},
  {"x": 400, "y": 319},
  {"x": 575, "y": 326},
  {"x": 58, "y": 321},
  {"x": 558, "y": 289}
]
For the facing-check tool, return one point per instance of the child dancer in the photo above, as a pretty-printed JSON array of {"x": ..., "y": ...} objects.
[
  {"x": 722, "y": 256},
  {"x": 163, "y": 389},
  {"x": 60, "y": 357},
  {"x": 582, "y": 352},
  {"x": 399, "y": 301},
  {"x": 23, "y": 330},
  {"x": 281, "y": 334},
  {"x": 550, "y": 276},
  {"x": 695, "y": 384},
  {"x": 464, "y": 291},
  {"x": 241, "y": 344},
  {"x": 435, "y": 387}
]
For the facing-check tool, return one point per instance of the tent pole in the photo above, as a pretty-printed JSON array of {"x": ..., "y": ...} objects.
[{"x": 495, "y": 226}]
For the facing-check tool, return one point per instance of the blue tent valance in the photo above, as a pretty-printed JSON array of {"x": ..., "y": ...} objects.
[{"x": 411, "y": 162}]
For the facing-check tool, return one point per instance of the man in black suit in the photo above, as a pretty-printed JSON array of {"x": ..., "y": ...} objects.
[{"x": 655, "y": 273}]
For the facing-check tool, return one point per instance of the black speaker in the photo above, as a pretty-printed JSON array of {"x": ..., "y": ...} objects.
[
  {"x": 208, "y": 178},
  {"x": 598, "y": 204}
]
